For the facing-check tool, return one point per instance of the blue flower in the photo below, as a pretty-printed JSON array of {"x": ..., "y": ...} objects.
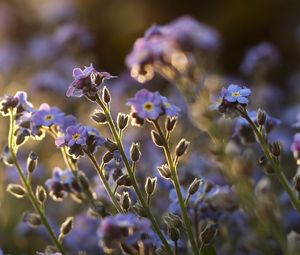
[
  {"x": 169, "y": 109},
  {"x": 47, "y": 116},
  {"x": 235, "y": 93},
  {"x": 146, "y": 104}
]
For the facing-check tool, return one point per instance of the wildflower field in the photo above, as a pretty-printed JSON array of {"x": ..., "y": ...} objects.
[{"x": 149, "y": 127}]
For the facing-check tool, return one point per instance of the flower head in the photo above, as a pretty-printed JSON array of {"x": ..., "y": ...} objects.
[
  {"x": 47, "y": 116},
  {"x": 237, "y": 94},
  {"x": 86, "y": 82},
  {"x": 150, "y": 105}
]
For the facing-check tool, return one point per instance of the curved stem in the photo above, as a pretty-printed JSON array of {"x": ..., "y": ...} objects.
[
  {"x": 131, "y": 175},
  {"x": 177, "y": 188},
  {"x": 99, "y": 170},
  {"x": 28, "y": 188},
  {"x": 278, "y": 171}
]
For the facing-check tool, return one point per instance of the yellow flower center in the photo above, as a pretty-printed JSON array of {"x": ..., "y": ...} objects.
[
  {"x": 148, "y": 106},
  {"x": 235, "y": 94},
  {"x": 167, "y": 105},
  {"x": 76, "y": 136},
  {"x": 48, "y": 117}
]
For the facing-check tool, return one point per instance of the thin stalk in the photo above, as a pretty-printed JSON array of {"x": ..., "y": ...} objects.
[
  {"x": 176, "y": 248},
  {"x": 99, "y": 170},
  {"x": 131, "y": 175},
  {"x": 278, "y": 171},
  {"x": 28, "y": 188},
  {"x": 176, "y": 184}
]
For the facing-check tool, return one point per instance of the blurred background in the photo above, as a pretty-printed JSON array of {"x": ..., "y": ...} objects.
[{"x": 41, "y": 41}]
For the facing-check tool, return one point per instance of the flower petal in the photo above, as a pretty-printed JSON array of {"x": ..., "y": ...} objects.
[
  {"x": 245, "y": 92},
  {"x": 242, "y": 100}
]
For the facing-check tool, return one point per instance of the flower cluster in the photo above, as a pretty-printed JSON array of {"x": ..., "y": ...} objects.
[
  {"x": 87, "y": 82},
  {"x": 147, "y": 105}
]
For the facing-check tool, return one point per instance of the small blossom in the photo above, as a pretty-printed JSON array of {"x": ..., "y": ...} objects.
[
  {"x": 235, "y": 94},
  {"x": 170, "y": 109},
  {"x": 47, "y": 116},
  {"x": 296, "y": 147}
]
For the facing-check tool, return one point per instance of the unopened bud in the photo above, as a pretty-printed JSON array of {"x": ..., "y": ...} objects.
[
  {"x": 122, "y": 120},
  {"x": 125, "y": 201},
  {"x": 106, "y": 95},
  {"x": 32, "y": 219},
  {"x": 266, "y": 166},
  {"x": 296, "y": 182},
  {"x": 124, "y": 180},
  {"x": 41, "y": 194},
  {"x": 156, "y": 139},
  {"x": 275, "y": 148},
  {"x": 108, "y": 156},
  {"x": 209, "y": 233},
  {"x": 135, "y": 152},
  {"x": 7, "y": 157},
  {"x": 170, "y": 123},
  {"x": 173, "y": 220},
  {"x": 181, "y": 147},
  {"x": 193, "y": 188},
  {"x": 174, "y": 234},
  {"x": 99, "y": 117},
  {"x": 67, "y": 226},
  {"x": 32, "y": 162},
  {"x": 164, "y": 171},
  {"x": 150, "y": 185},
  {"x": 16, "y": 190},
  {"x": 261, "y": 117}
]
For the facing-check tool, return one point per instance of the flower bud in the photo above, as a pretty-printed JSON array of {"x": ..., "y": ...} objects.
[
  {"x": 139, "y": 210},
  {"x": 83, "y": 180},
  {"x": 32, "y": 162},
  {"x": 99, "y": 117},
  {"x": 41, "y": 194},
  {"x": 67, "y": 226},
  {"x": 156, "y": 139},
  {"x": 122, "y": 120},
  {"x": 193, "y": 188},
  {"x": 124, "y": 180},
  {"x": 265, "y": 165},
  {"x": 296, "y": 182},
  {"x": 181, "y": 147},
  {"x": 125, "y": 201},
  {"x": 108, "y": 156},
  {"x": 261, "y": 117},
  {"x": 275, "y": 148},
  {"x": 106, "y": 95},
  {"x": 173, "y": 220},
  {"x": 135, "y": 152},
  {"x": 21, "y": 134},
  {"x": 174, "y": 234},
  {"x": 6, "y": 156},
  {"x": 170, "y": 123},
  {"x": 32, "y": 219},
  {"x": 150, "y": 185},
  {"x": 164, "y": 171},
  {"x": 16, "y": 190},
  {"x": 209, "y": 233},
  {"x": 208, "y": 186}
]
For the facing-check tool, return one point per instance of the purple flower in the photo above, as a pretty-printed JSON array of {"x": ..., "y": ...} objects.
[
  {"x": 86, "y": 82},
  {"x": 76, "y": 135},
  {"x": 47, "y": 116},
  {"x": 296, "y": 147},
  {"x": 235, "y": 93},
  {"x": 146, "y": 104},
  {"x": 61, "y": 183}
]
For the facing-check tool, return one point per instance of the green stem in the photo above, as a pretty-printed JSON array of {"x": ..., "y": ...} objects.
[
  {"x": 99, "y": 170},
  {"x": 131, "y": 175},
  {"x": 28, "y": 188},
  {"x": 177, "y": 188},
  {"x": 278, "y": 171},
  {"x": 176, "y": 248}
]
